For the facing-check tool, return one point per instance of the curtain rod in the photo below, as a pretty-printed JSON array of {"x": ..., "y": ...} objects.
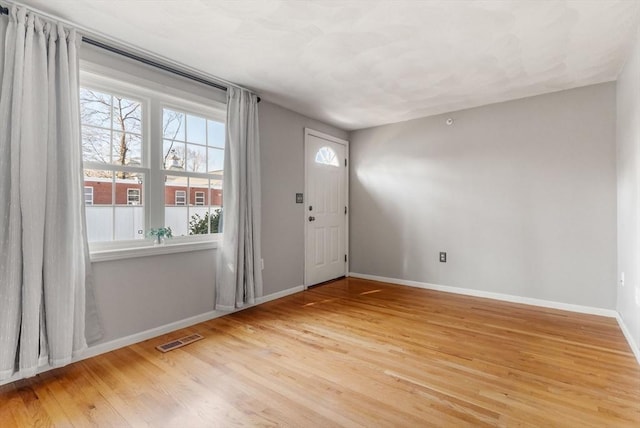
[
  {"x": 152, "y": 63},
  {"x": 155, "y": 64},
  {"x": 173, "y": 70}
]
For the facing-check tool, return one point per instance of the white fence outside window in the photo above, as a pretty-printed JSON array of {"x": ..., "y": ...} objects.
[{"x": 129, "y": 222}]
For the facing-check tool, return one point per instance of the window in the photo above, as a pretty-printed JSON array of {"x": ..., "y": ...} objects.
[
  {"x": 148, "y": 143},
  {"x": 88, "y": 195},
  {"x": 133, "y": 196},
  {"x": 327, "y": 156},
  {"x": 193, "y": 160},
  {"x": 112, "y": 150},
  {"x": 181, "y": 197},
  {"x": 199, "y": 198}
]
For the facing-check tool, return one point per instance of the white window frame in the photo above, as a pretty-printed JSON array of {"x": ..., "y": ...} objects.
[
  {"x": 154, "y": 97},
  {"x": 138, "y": 200},
  {"x": 180, "y": 194},
  {"x": 199, "y": 195},
  {"x": 88, "y": 194},
  {"x": 322, "y": 160}
]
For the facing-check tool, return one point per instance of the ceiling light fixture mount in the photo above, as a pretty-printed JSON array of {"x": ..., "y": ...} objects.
[{"x": 449, "y": 121}]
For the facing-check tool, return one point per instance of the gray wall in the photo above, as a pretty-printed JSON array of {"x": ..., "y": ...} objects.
[
  {"x": 282, "y": 155},
  {"x": 142, "y": 293},
  {"x": 628, "y": 133},
  {"x": 138, "y": 294},
  {"x": 521, "y": 195}
]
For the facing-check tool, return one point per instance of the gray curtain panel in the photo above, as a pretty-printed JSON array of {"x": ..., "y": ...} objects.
[
  {"x": 43, "y": 249},
  {"x": 239, "y": 268}
]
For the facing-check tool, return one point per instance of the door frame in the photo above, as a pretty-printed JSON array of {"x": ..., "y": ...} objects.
[{"x": 312, "y": 132}]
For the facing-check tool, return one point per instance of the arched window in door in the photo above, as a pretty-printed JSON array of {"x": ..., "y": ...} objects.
[{"x": 327, "y": 156}]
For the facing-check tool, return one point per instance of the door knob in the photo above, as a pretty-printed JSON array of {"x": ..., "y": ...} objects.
[{"x": 312, "y": 218}]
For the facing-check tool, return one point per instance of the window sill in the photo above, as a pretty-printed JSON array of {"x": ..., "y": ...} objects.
[{"x": 147, "y": 249}]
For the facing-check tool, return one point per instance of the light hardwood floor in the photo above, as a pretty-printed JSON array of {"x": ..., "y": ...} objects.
[{"x": 353, "y": 353}]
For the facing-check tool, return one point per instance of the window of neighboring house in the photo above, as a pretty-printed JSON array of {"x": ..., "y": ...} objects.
[
  {"x": 120, "y": 156},
  {"x": 181, "y": 197},
  {"x": 133, "y": 197},
  {"x": 88, "y": 195},
  {"x": 199, "y": 198}
]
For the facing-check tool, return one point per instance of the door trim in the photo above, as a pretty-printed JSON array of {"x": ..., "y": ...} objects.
[{"x": 312, "y": 132}]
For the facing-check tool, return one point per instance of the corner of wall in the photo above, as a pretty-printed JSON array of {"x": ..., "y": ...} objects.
[{"x": 628, "y": 196}]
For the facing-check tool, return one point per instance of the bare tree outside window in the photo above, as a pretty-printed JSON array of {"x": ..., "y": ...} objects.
[
  {"x": 173, "y": 130},
  {"x": 118, "y": 167},
  {"x": 185, "y": 143},
  {"x": 196, "y": 159},
  {"x": 111, "y": 129}
]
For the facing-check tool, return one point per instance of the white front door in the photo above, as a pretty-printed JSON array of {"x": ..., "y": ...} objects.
[{"x": 325, "y": 207}]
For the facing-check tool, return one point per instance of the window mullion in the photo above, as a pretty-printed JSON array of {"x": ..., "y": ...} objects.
[
  {"x": 183, "y": 185},
  {"x": 154, "y": 197}
]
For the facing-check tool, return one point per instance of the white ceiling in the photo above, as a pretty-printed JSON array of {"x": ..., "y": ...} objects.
[{"x": 359, "y": 63}]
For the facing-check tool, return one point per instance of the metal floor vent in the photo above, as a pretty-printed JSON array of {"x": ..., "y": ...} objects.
[{"x": 178, "y": 343}]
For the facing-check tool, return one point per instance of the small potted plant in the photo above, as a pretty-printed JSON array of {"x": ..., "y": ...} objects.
[{"x": 159, "y": 234}]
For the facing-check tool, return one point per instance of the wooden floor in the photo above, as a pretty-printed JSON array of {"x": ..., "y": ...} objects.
[{"x": 353, "y": 353}]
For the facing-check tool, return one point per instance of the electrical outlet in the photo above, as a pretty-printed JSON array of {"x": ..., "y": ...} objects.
[
  {"x": 621, "y": 279},
  {"x": 443, "y": 257}
]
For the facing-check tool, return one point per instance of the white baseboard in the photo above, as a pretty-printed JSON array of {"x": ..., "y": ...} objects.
[
  {"x": 112, "y": 345},
  {"x": 121, "y": 342},
  {"x": 491, "y": 295},
  {"x": 630, "y": 340},
  {"x": 279, "y": 294},
  {"x": 514, "y": 299}
]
